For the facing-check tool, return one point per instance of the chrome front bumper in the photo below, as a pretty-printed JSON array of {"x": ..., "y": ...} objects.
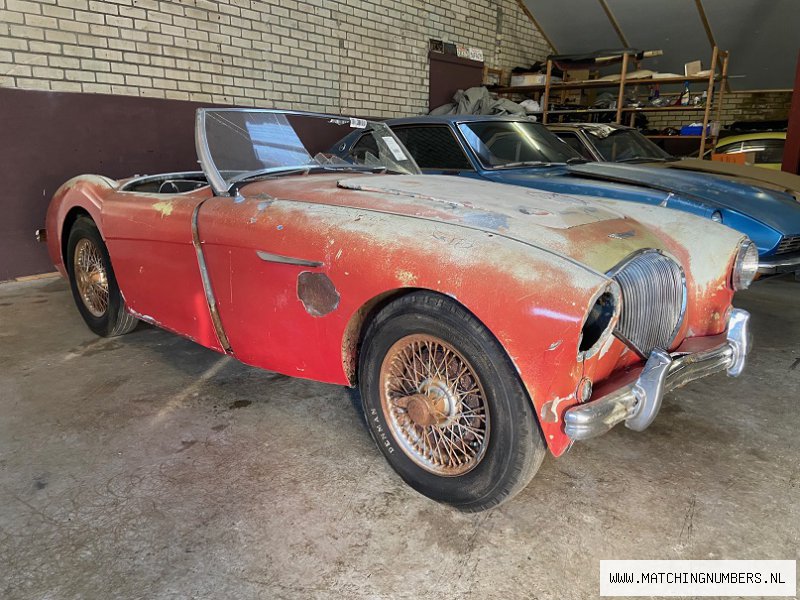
[
  {"x": 638, "y": 403},
  {"x": 779, "y": 264}
]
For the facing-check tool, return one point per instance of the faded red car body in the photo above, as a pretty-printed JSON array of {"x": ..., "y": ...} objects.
[{"x": 371, "y": 237}]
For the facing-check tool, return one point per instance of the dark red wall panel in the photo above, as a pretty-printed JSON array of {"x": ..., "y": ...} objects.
[
  {"x": 791, "y": 153},
  {"x": 448, "y": 74},
  {"x": 46, "y": 138}
]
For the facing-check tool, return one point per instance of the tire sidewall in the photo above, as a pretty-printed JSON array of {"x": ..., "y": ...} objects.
[
  {"x": 84, "y": 228},
  {"x": 503, "y": 405}
]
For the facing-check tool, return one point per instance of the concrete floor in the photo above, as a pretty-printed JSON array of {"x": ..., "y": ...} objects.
[{"x": 148, "y": 467}]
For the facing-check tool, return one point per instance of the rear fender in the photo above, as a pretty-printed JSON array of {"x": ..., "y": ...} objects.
[{"x": 84, "y": 194}]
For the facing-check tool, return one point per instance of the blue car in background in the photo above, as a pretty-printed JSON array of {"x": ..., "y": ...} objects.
[{"x": 518, "y": 151}]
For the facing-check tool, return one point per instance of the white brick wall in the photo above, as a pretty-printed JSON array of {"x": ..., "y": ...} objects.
[{"x": 349, "y": 56}]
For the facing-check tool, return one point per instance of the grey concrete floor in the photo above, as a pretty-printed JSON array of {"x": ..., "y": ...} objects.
[{"x": 148, "y": 467}]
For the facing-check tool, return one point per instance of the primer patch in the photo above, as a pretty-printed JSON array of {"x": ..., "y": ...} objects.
[{"x": 165, "y": 208}]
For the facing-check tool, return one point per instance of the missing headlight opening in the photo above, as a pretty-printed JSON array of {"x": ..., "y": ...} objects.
[{"x": 598, "y": 321}]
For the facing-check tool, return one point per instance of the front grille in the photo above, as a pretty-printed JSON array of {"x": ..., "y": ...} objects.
[
  {"x": 653, "y": 298},
  {"x": 790, "y": 243}
]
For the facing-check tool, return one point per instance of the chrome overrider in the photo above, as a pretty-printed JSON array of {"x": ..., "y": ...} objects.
[{"x": 638, "y": 403}]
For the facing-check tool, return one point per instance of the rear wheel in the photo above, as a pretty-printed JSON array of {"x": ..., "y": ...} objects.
[
  {"x": 93, "y": 284},
  {"x": 445, "y": 405}
]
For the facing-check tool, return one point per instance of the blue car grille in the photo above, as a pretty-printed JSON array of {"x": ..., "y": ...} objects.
[
  {"x": 790, "y": 243},
  {"x": 653, "y": 301}
]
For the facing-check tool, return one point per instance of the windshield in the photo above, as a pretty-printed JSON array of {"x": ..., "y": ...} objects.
[
  {"x": 236, "y": 145},
  {"x": 509, "y": 144},
  {"x": 627, "y": 145}
]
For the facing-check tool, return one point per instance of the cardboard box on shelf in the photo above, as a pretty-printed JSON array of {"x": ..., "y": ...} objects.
[
  {"x": 576, "y": 75},
  {"x": 523, "y": 79}
]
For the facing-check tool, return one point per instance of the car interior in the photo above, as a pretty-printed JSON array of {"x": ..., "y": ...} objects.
[{"x": 167, "y": 183}]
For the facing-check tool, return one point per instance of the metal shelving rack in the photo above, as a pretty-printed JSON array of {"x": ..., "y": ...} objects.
[{"x": 717, "y": 75}]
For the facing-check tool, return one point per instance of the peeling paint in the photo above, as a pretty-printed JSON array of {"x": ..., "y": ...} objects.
[
  {"x": 554, "y": 345},
  {"x": 607, "y": 346},
  {"x": 164, "y": 207},
  {"x": 317, "y": 293},
  {"x": 407, "y": 278},
  {"x": 550, "y": 409}
]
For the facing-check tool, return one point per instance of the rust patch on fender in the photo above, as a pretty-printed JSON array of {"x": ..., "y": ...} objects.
[{"x": 317, "y": 293}]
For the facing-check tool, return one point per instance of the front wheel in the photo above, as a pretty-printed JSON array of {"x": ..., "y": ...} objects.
[
  {"x": 445, "y": 405},
  {"x": 93, "y": 284}
]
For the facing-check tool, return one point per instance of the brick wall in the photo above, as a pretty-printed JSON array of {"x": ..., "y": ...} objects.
[
  {"x": 351, "y": 56},
  {"x": 736, "y": 106}
]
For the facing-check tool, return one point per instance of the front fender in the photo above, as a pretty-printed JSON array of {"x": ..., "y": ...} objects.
[
  {"x": 534, "y": 302},
  {"x": 706, "y": 251}
]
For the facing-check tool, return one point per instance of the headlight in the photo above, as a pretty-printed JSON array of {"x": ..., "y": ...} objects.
[
  {"x": 745, "y": 267},
  {"x": 716, "y": 216}
]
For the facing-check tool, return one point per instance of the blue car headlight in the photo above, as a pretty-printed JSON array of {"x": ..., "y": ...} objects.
[{"x": 745, "y": 267}]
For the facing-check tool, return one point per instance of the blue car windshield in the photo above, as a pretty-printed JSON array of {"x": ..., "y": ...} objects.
[{"x": 511, "y": 144}]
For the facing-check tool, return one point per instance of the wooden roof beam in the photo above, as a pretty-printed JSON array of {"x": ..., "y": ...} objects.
[
  {"x": 614, "y": 23},
  {"x": 529, "y": 14}
]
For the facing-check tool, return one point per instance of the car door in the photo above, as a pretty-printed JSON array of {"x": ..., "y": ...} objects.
[
  {"x": 271, "y": 265},
  {"x": 149, "y": 239}
]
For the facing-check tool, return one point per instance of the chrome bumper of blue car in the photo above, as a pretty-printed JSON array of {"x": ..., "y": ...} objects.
[
  {"x": 775, "y": 265},
  {"x": 638, "y": 403}
]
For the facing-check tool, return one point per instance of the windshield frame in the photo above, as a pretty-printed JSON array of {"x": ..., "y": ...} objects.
[
  {"x": 223, "y": 186},
  {"x": 460, "y": 125}
]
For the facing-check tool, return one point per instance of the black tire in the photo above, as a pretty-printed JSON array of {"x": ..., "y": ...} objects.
[
  {"x": 115, "y": 319},
  {"x": 514, "y": 447}
]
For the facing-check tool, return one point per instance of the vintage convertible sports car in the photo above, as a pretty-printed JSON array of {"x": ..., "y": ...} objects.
[
  {"x": 481, "y": 323},
  {"x": 517, "y": 151}
]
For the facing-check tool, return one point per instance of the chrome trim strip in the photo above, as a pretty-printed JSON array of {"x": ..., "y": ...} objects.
[
  {"x": 287, "y": 260},
  {"x": 209, "y": 292},
  {"x": 638, "y": 403}
]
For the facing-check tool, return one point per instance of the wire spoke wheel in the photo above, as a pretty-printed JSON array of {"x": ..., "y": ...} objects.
[
  {"x": 91, "y": 277},
  {"x": 435, "y": 405}
]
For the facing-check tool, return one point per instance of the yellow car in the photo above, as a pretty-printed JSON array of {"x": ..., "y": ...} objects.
[{"x": 766, "y": 148}]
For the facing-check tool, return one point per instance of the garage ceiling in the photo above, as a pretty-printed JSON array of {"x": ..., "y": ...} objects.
[{"x": 761, "y": 36}]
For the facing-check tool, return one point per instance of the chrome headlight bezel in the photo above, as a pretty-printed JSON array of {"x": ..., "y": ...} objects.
[{"x": 745, "y": 266}]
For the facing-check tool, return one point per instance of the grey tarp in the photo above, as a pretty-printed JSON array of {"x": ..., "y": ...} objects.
[{"x": 479, "y": 101}]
